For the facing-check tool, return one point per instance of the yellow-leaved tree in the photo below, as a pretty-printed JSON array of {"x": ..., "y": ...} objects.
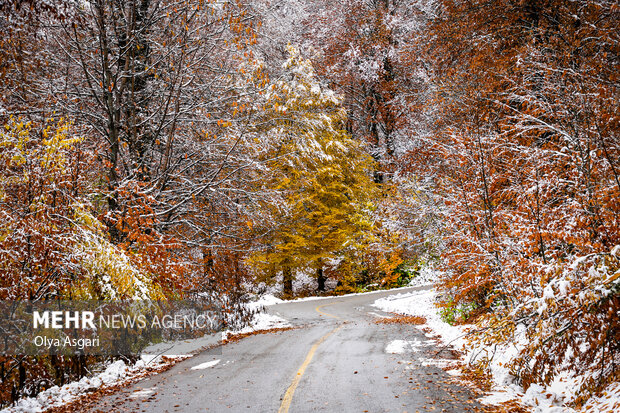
[{"x": 321, "y": 175}]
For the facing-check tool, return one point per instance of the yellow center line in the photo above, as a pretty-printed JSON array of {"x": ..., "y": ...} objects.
[
  {"x": 288, "y": 396},
  {"x": 318, "y": 310}
]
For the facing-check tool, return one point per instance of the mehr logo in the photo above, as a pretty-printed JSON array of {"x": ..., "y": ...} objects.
[
  {"x": 86, "y": 320},
  {"x": 64, "y": 319}
]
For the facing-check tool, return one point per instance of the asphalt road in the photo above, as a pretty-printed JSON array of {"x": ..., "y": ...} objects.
[{"x": 335, "y": 361}]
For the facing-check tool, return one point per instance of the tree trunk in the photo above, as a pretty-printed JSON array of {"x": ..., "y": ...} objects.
[
  {"x": 287, "y": 280},
  {"x": 320, "y": 279}
]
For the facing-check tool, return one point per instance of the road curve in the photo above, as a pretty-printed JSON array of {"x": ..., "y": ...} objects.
[{"x": 334, "y": 361}]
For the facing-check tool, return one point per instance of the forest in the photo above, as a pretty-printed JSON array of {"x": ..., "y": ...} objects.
[{"x": 155, "y": 149}]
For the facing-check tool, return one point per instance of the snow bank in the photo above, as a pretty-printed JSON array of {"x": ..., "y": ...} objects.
[
  {"x": 263, "y": 301},
  {"x": 115, "y": 373},
  {"x": 261, "y": 321},
  {"x": 422, "y": 303}
]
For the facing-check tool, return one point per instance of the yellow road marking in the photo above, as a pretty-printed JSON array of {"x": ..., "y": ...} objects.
[
  {"x": 288, "y": 396},
  {"x": 318, "y": 309}
]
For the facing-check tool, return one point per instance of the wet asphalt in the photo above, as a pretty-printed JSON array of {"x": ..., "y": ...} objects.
[{"x": 333, "y": 360}]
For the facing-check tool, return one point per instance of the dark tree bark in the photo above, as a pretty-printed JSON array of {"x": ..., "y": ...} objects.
[
  {"x": 287, "y": 280},
  {"x": 320, "y": 277}
]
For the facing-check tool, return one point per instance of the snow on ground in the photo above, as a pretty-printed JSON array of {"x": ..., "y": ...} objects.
[
  {"x": 264, "y": 301},
  {"x": 422, "y": 303},
  {"x": 419, "y": 303},
  {"x": 396, "y": 347},
  {"x": 261, "y": 321},
  {"x": 266, "y": 297},
  {"x": 426, "y": 277},
  {"x": 550, "y": 399}
]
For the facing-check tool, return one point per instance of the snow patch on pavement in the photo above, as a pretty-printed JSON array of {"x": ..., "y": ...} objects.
[
  {"x": 454, "y": 372},
  {"x": 378, "y": 315},
  {"x": 206, "y": 365},
  {"x": 440, "y": 363},
  {"x": 142, "y": 393},
  {"x": 401, "y": 346}
]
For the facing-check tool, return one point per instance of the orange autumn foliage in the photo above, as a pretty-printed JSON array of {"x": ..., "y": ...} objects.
[{"x": 525, "y": 155}]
